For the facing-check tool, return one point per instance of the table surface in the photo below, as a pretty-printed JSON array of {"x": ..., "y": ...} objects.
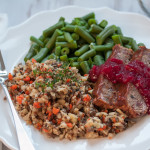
[{"x": 20, "y": 10}]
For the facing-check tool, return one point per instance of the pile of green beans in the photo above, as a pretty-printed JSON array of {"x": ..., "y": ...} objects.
[{"x": 83, "y": 43}]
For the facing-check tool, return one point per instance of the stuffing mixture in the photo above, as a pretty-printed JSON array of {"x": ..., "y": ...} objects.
[{"x": 57, "y": 101}]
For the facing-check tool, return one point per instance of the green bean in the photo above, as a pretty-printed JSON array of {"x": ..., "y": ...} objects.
[
  {"x": 51, "y": 43},
  {"x": 87, "y": 55},
  {"x": 75, "y": 36},
  {"x": 134, "y": 45},
  {"x": 119, "y": 31},
  {"x": 117, "y": 39},
  {"x": 69, "y": 28},
  {"x": 60, "y": 38},
  {"x": 82, "y": 50},
  {"x": 104, "y": 34},
  {"x": 72, "y": 45},
  {"x": 84, "y": 34},
  {"x": 50, "y": 30},
  {"x": 141, "y": 44},
  {"x": 65, "y": 51},
  {"x": 127, "y": 46},
  {"x": 126, "y": 40},
  {"x": 81, "y": 42},
  {"x": 90, "y": 62},
  {"x": 88, "y": 16},
  {"x": 39, "y": 42},
  {"x": 52, "y": 56},
  {"x": 64, "y": 58},
  {"x": 34, "y": 49},
  {"x": 61, "y": 19},
  {"x": 98, "y": 60},
  {"x": 68, "y": 37},
  {"x": 92, "y": 21},
  {"x": 94, "y": 35},
  {"x": 101, "y": 48},
  {"x": 46, "y": 40},
  {"x": 41, "y": 55},
  {"x": 95, "y": 29},
  {"x": 41, "y": 38},
  {"x": 75, "y": 64},
  {"x": 72, "y": 59},
  {"x": 108, "y": 53},
  {"x": 78, "y": 21},
  {"x": 85, "y": 67},
  {"x": 103, "y": 23},
  {"x": 58, "y": 50},
  {"x": 109, "y": 40},
  {"x": 45, "y": 59}
]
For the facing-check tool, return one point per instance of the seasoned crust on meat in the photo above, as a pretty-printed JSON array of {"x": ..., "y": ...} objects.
[
  {"x": 131, "y": 101},
  {"x": 104, "y": 90}
]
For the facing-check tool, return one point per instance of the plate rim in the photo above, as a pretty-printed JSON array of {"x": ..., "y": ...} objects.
[{"x": 24, "y": 23}]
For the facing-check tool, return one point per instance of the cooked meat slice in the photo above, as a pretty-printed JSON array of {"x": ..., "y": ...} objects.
[
  {"x": 122, "y": 53},
  {"x": 105, "y": 90},
  {"x": 131, "y": 101},
  {"x": 143, "y": 55}
]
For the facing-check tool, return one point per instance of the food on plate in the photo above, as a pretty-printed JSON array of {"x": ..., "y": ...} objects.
[
  {"x": 55, "y": 91},
  {"x": 58, "y": 101},
  {"x": 83, "y": 43},
  {"x": 127, "y": 81}
]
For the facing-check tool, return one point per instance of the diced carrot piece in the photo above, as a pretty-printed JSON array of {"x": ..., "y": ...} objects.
[
  {"x": 68, "y": 80},
  {"x": 37, "y": 105},
  {"x": 33, "y": 60},
  {"x": 40, "y": 77},
  {"x": 27, "y": 92},
  {"x": 19, "y": 99},
  {"x": 87, "y": 98},
  {"x": 69, "y": 125},
  {"x": 50, "y": 70},
  {"x": 10, "y": 77},
  {"x": 49, "y": 77},
  {"x": 55, "y": 111},
  {"x": 70, "y": 106},
  {"x": 27, "y": 78},
  {"x": 104, "y": 127},
  {"x": 59, "y": 121},
  {"x": 39, "y": 126},
  {"x": 31, "y": 82},
  {"x": 14, "y": 87},
  {"x": 85, "y": 75},
  {"x": 117, "y": 130},
  {"x": 100, "y": 129},
  {"x": 89, "y": 89},
  {"x": 59, "y": 65},
  {"x": 45, "y": 130},
  {"x": 114, "y": 120}
]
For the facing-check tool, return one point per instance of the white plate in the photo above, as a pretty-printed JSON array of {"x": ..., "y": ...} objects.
[{"x": 16, "y": 44}]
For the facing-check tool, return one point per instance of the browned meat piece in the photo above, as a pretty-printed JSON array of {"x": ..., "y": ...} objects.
[
  {"x": 105, "y": 91},
  {"x": 131, "y": 101},
  {"x": 122, "y": 53},
  {"x": 143, "y": 55}
]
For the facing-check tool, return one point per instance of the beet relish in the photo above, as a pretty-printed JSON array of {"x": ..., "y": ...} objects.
[{"x": 116, "y": 71}]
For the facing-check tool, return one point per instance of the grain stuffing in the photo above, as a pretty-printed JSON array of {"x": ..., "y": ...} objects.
[{"x": 58, "y": 101}]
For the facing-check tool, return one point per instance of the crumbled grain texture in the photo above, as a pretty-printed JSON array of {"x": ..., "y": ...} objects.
[{"x": 58, "y": 101}]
